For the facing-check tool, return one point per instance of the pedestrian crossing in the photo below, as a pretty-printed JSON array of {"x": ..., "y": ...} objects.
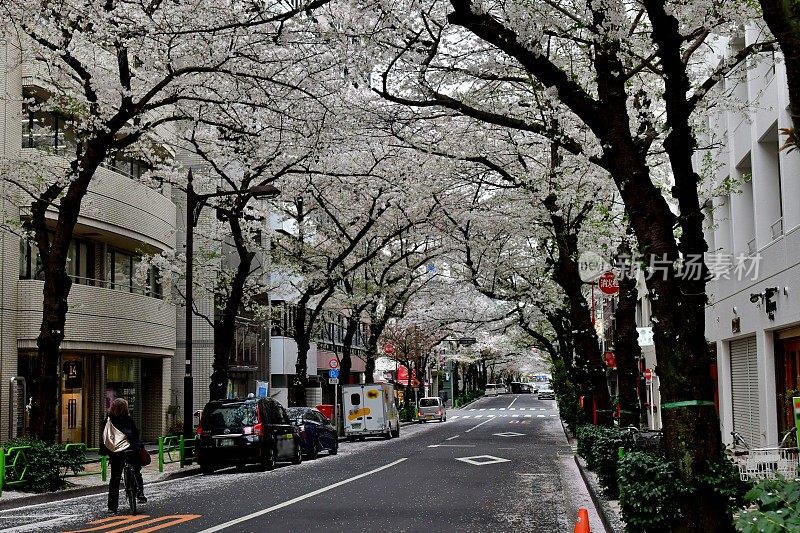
[{"x": 504, "y": 415}]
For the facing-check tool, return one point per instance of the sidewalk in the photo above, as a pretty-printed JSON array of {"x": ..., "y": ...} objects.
[{"x": 89, "y": 485}]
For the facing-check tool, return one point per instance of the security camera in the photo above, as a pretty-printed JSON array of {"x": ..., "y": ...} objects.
[{"x": 754, "y": 297}]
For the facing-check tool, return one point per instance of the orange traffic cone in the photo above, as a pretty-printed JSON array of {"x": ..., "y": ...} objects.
[{"x": 582, "y": 525}]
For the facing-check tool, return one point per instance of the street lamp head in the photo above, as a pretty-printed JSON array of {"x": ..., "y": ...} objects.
[{"x": 264, "y": 191}]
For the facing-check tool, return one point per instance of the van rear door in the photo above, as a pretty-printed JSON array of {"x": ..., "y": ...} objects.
[
  {"x": 374, "y": 408},
  {"x": 354, "y": 420}
]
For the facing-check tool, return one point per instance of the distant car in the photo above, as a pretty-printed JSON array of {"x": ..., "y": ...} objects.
[
  {"x": 241, "y": 431},
  {"x": 315, "y": 430},
  {"x": 520, "y": 388},
  {"x": 546, "y": 393},
  {"x": 501, "y": 388},
  {"x": 431, "y": 408},
  {"x": 490, "y": 390},
  {"x": 533, "y": 386}
]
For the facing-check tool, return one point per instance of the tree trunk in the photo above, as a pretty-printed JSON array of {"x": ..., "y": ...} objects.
[
  {"x": 225, "y": 328},
  {"x": 626, "y": 349},
  {"x": 57, "y": 284},
  {"x": 302, "y": 337},
  {"x": 783, "y": 19},
  {"x": 346, "y": 364}
]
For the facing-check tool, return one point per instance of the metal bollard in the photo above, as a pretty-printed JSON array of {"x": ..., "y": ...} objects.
[
  {"x": 182, "y": 449},
  {"x": 161, "y": 454},
  {"x": 103, "y": 467},
  {"x": 620, "y": 453}
]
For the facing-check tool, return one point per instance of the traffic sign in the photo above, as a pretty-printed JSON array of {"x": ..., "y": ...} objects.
[
  {"x": 608, "y": 284},
  {"x": 388, "y": 348},
  {"x": 333, "y": 363},
  {"x": 333, "y": 373},
  {"x": 333, "y": 381}
]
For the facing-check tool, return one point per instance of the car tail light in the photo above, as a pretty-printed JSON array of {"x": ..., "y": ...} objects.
[
  {"x": 419, "y": 413},
  {"x": 258, "y": 429},
  {"x": 199, "y": 431}
]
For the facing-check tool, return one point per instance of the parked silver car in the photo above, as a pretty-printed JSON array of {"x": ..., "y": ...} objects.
[{"x": 431, "y": 408}]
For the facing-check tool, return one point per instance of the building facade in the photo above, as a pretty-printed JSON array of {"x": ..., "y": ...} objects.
[
  {"x": 753, "y": 232},
  {"x": 120, "y": 332}
]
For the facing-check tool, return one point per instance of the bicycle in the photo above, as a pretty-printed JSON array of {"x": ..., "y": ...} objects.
[
  {"x": 130, "y": 485},
  {"x": 767, "y": 462}
]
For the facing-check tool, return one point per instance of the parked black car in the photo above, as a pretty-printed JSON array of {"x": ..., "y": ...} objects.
[
  {"x": 316, "y": 431},
  {"x": 242, "y": 431}
]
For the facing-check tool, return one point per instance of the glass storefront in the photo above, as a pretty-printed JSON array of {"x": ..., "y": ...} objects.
[{"x": 123, "y": 380}]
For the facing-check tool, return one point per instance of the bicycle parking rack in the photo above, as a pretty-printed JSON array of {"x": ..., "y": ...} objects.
[{"x": 172, "y": 444}]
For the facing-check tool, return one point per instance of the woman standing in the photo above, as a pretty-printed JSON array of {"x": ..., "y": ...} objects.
[{"x": 120, "y": 442}]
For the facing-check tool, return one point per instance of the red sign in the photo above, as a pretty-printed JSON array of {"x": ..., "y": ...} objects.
[
  {"x": 648, "y": 375},
  {"x": 333, "y": 363},
  {"x": 608, "y": 284},
  {"x": 402, "y": 374},
  {"x": 611, "y": 361},
  {"x": 388, "y": 348}
]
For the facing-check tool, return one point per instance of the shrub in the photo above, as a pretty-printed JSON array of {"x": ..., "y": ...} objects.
[
  {"x": 599, "y": 446},
  {"x": 46, "y": 463},
  {"x": 648, "y": 489},
  {"x": 774, "y": 507},
  {"x": 723, "y": 477}
]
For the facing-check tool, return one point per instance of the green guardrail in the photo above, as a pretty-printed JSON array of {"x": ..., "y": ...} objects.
[
  {"x": 175, "y": 449},
  {"x": 102, "y": 460},
  {"x": 13, "y": 466}
]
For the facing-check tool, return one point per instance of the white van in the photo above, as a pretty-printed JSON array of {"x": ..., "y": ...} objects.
[
  {"x": 491, "y": 390},
  {"x": 370, "y": 410}
]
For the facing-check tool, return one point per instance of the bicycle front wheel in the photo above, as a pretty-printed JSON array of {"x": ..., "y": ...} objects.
[{"x": 130, "y": 488}]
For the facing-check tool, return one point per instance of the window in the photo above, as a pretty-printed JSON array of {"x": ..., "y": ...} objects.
[
  {"x": 355, "y": 399},
  {"x": 429, "y": 402},
  {"x": 30, "y": 264}
]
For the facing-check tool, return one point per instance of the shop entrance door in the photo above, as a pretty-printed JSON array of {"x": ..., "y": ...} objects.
[
  {"x": 787, "y": 368},
  {"x": 72, "y": 400}
]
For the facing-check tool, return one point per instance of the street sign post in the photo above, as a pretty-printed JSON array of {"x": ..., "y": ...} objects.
[
  {"x": 333, "y": 381},
  {"x": 333, "y": 373},
  {"x": 333, "y": 363}
]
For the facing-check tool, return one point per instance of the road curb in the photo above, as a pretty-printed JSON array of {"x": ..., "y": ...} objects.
[
  {"x": 76, "y": 492},
  {"x": 611, "y": 522}
]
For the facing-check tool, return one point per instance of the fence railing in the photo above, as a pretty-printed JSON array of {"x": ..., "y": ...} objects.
[
  {"x": 102, "y": 460},
  {"x": 13, "y": 466},
  {"x": 175, "y": 449}
]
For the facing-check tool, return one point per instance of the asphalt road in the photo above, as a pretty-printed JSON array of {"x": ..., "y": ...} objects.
[{"x": 502, "y": 464}]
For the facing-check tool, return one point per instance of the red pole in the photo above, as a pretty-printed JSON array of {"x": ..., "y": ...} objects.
[{"x": 592, "y": 302}]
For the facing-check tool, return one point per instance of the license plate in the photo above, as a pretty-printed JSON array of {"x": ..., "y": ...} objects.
[
  {"x": 224, "y": 443},
  {"x": 356, "y": 426}
]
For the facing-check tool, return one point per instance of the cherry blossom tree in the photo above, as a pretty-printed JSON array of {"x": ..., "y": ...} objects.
[
  {"x": 630, "y": 77},
  {"x": 122, "y": 71}
]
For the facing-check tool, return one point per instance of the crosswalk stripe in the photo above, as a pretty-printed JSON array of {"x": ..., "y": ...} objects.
[
  {"x": 528, "y": 416},
  {"x": 539, "y": 416},
  {"x": 478, "y": 416},
  {"x": 475, "y": 409},
  {"x": 502, "y": 409},
  {"x": 515, "y": 416},
  {"x": 512, "y": 409}
]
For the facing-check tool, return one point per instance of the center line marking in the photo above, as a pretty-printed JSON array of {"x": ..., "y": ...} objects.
[
  {"x": 453, "y": 437},
  {"x": 479, "y": 425},
  {"x": 514, "y": 400},
  {"x": 299, "y": 498}
]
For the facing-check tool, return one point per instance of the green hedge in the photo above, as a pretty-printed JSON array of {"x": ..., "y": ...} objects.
[
  {"x": 46, "y": 463},
  {"x": 774, "y": 507},
  {"x": 648, "y": 489},
  {"x": 599, "y": 446}
]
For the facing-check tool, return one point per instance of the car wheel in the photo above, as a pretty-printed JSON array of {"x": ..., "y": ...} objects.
[
  {"x": 441, "y": 419},
  {"x": 298, "y": 455},
  {"x": 351, "y": 439},
  {"x": 269, "y": 461},
  {"x": 396, "y": 433},
  {"x": 335, "y": 449},
  {"x": 388, "y": 434},
  {"x": 314, "y": 453}
]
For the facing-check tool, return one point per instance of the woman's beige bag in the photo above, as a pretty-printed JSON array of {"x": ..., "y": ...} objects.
[{"x": 114, "y": 439}]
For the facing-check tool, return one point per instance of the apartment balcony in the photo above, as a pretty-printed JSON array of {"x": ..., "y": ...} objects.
[
  {"x": 101, "y": 319},
  {"x": 119, "y": 209}
]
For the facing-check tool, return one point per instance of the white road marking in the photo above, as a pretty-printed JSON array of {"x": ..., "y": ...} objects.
[
  {"x": 478, "y": 416},
  {"x": 539, "y": 416},
  {"x": 287, "y": 503},
  {"x": 509, "y": 434},
  {"x": 513, "y": 409},
  {"x": 553, "y": 415},
  {"x": 479, "y": 425},
  {"x": 451, "y": 446},
  {"x": 472, "y": 409},
  {"x": 451, "y": 438},
  {"x": 453, "y": 417},
  {"x": 502, "y": 409},
  {"x": 514, "y": 416},
  {"x": 480, "y": 460},
  {"x": 512, "y": 401},
  {"x": 493, "y": 409},
  {"x": 528, "y": 416}
]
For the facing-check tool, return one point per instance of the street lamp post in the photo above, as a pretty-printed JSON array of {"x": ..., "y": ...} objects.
[{"x": 194, "y": 204}]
